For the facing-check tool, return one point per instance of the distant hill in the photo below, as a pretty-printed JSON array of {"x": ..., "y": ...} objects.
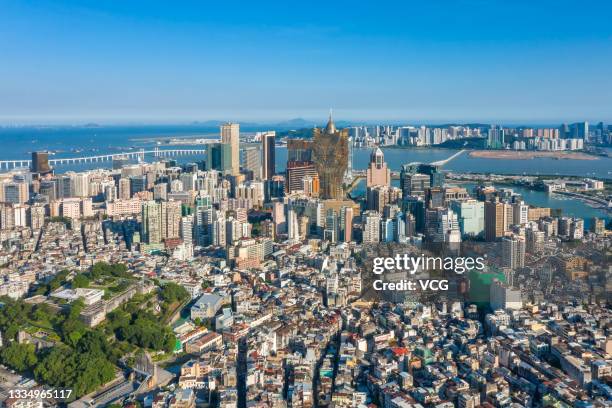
[
  {"x": 304, "y": 133},
  {"x": 211, "y": 123},
  {"x": 300, "y": 123},
  {"x": 297, "y": 123}
]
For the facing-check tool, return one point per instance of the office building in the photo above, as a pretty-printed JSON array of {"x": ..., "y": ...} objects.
[
  {"x": 296, "y": 172},
  {"x": 580, "y": 130},
  {"x": 278, "y": 218},
  {"x": 331, "y": 231},
  {"x": 268, "y": 154},
  {"x": 16, "y": 191},
  {"x": 436, "y": 176},
  {"x": 387, "y": 230},
  {"x": 219, "y": 157},
  {"x": 470, "y": 214},
  {"x": 520, "y": 213},
  {"x": 346, "y": 224},
  {"x": 378, "y": 174},
  {"x": 274, "y": 188},
  {"x": 124, "y": 189},
  {"x": 414, "y": 184},
  {"x": 48, "y": 188},
  {"x": 299, "y": 150},
  {"x": 446, "y": 227},
  {"x": 435, "y": 197},
  {"x": 230, "y": 135},
  {"x": 40, "y": 162},
  {"x": 348, "y": 175},
  {"x": 251, "y": 162},
  {"x": 495, "y": 220},
  {"x": 378, "y": 196},
  {"x": 137, "y": 184},
  {"x": 513, "y": 252},
  {"x": 415, "y": 206}
]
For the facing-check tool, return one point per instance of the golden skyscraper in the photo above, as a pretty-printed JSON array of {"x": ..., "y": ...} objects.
[{"x": 330, "y": 152}]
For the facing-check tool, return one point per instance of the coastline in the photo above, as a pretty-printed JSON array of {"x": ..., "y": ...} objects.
[{"x": 527, "y": 155}]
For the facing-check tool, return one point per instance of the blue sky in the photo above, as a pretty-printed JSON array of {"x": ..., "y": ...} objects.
[{"x": 147, "y": 61}]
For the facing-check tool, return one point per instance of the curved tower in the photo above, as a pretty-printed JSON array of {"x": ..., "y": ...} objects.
[{"x": 330, "y": 152}]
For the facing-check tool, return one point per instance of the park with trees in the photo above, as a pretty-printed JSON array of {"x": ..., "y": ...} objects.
[{"x": 84, "y": 358}]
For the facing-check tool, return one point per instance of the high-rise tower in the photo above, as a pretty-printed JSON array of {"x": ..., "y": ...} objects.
[
  {"x": 330, "y": 152},
  {"x": 40, "y": 162},
  {"x": 495, "y": 220},
  {"x": 268, "y": 146},
  {"x": 378, "y": 173},
  {"x": 230, "y": 134},
  {"x": 299, "y": 164}
]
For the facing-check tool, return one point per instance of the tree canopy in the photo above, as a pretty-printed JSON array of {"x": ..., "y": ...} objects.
[
  {"x": 83, "y": 372},
  {"x": 20, "y": 357},
  {"x": 172, "y": 292},
  {"x": 101, "y": 269},
  {"x": 145, "y": 331},
  {"x": 80, "y": 281}
]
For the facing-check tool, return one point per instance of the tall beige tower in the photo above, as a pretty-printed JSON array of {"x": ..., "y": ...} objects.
[
  {"x": 230, "y": 134},
  {"x": 495, "y": 220},
  {"x": 378, "y": 174}
]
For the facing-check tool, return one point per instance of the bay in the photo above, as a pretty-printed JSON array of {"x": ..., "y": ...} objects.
[{"x": 19, "y": 142}]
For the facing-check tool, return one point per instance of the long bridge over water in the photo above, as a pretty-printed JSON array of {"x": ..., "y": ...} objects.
[
  {"x": 157, "y": 152},
  {"x": 443, "y": 162},
  {"x": 132, "y": 155}
]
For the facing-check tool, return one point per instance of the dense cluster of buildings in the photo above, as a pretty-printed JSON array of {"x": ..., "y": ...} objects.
[
  {"x": 276, "y": 266},
  {"x": 565, "y": 137}
]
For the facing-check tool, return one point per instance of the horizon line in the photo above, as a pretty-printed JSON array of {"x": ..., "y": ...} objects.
[{"x": 287, "y": 122}]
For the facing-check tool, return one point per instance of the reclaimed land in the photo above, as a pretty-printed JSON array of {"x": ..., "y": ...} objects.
[{"x": 524, "y": 155}]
